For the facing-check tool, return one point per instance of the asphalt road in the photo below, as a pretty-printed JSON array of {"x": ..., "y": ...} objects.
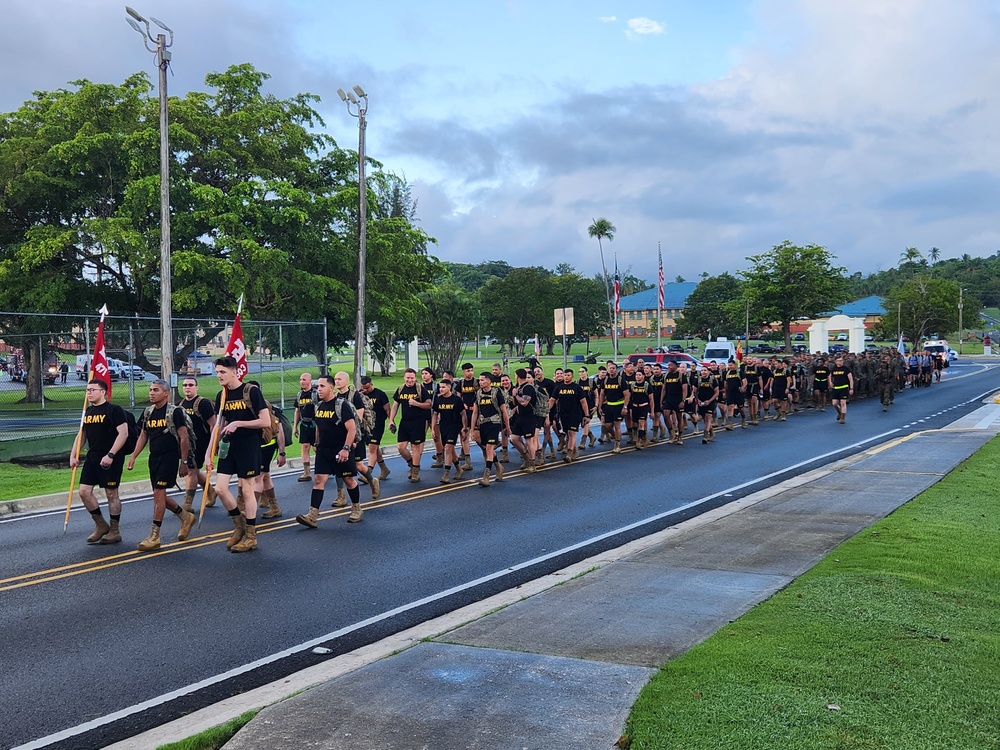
[{"x": 91, "y": 631}]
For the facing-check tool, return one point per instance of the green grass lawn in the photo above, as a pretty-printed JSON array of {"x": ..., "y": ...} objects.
[
  {"x": 890, "y": 642},
  {"x": 214, "y": 738}
]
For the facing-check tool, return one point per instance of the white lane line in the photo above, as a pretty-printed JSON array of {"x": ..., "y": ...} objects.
[{"x": 307, "y": 645}]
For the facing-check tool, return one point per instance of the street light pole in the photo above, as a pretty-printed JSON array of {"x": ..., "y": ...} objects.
[
  {"x": 163, "y": 55},
  {"x": 358, "y": 107}
]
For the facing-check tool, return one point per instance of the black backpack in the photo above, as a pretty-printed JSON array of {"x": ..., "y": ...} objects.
[
  {"x": 286, "y": 426},
  {"x": 133, "y": 432}
]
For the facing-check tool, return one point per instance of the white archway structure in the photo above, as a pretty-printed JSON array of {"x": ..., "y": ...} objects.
[{"x": 819, "y": 333}]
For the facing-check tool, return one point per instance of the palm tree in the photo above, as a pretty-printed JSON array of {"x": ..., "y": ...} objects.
[
  {"x": 602, "y": 228},
  {"x": 934, "y": 255},
  {"x": 910, "y": 255}
]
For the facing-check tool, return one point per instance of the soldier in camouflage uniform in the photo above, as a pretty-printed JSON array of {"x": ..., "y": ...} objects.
[{"x": 885, "y": 382}]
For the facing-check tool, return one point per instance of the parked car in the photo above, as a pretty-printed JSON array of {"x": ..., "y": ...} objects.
[
  {"x": 800, "y": 337},
  {"x": 763, "y": 349},
  {"x": 663, "y": 358},
  {"x": 675, "y": 348},
  {"x": 842, "y": 337},
  {"x": 835, "y": 348}
]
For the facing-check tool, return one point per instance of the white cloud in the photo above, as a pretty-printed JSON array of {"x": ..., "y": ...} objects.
[
  {"x": 643, "y": 27},
  {"x": 608, "y": 19}
]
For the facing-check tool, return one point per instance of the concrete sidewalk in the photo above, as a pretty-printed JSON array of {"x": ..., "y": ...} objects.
[{"x": 547, "y": 665}]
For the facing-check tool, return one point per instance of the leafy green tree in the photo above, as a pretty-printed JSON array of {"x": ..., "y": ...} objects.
[
  {"x": 715, "y": 306},
  {"x": 448, "y": 316},
  {"x": 791, "y": 282},
  {"x": 518, "y": 306},
  {"x": 923, "y": 305}
]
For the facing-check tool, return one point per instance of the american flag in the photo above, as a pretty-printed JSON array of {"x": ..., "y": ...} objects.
[
  {"x": 618, "y": 288},
  {"x": 660, "y": 252}
]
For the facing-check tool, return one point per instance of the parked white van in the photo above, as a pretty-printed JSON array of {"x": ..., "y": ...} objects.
[{"x": 719, "y": 351}]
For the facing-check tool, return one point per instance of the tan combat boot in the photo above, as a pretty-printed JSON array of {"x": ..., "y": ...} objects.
[
  {"x": 438, "y": 461},
  {"x": 445, "y": 479},
  {"x": 459, "y": 471},
  {"x": 415, "y": 473},
  {"x": 188, "y": 504},
  {"x": 376, "y": 487},
  {"x": 306, "y": 475},
  {"x": 187, "y": 523},
  {"x": 114, "y": 535},
  {"x": 248, "y": 543},
  {"x": 499, "y": 470},
  {"x": 101, "y": 528},
  {"x": 485, "y": 480},
  {"x": 151, "y": 542},
  {"x": 273, "y": 510},
  {"x": 310, "y": 519},
  {"x": 341, "y": 500},
  {"x": 383, "y": 471},
  {"x": 239, "y": 529},
  {"x": 356, "y": 513},
  {"x": 210, "y": 500}
]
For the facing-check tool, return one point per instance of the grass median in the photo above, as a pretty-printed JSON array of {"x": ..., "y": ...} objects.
[{"x": 889, "y": 642}]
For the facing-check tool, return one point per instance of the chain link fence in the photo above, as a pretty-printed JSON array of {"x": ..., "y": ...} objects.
[{"x": 45, "y": 361}]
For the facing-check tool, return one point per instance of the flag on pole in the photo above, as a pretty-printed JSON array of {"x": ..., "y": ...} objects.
[
  {"x": 236, "y": 348},
  {"x": 739, "y": 350},
  {"x": 618, "y": 289},
  {"x": 99, "y": 361},
  {"x": 661, "y": 298},
  {"x": 538, "y": 346},
  {"x": 901, "y": 347}
]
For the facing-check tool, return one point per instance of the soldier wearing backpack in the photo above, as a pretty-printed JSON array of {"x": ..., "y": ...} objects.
[
  {"x": 106, "y": 430},
  {"x": 202, "y": 416},
  {"x": 272, "y": 440},
  {"x": 489, "y": 416},
  {"x": 167, "y": 429},
  {"x": 364, "y": 407}
]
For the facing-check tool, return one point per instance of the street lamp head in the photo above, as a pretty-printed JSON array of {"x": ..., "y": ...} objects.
[
  {"x": 135, "y": 14},
  {"x": 360, "y": 91},
  {"x": 342, "y": 95},
  {"x": 352, "y": 98},
  {"x": 161, "y": 24},
  {"x": 134, "y": 25}
]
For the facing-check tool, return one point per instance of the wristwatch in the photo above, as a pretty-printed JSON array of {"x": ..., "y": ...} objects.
[
  {"x": 111, "y": 454},
  {"x": 281, "y": 453}
]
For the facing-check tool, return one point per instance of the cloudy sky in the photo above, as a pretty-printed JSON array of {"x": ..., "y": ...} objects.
[{"x": 716, "y": 129}]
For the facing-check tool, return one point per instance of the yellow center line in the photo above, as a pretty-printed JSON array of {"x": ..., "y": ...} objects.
[{"x": 133, "y": 556}]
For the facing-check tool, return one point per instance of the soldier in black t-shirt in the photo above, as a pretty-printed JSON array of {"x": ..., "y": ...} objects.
[
  {"x": 303, "y": 424},
  {"x": 571, "y": 403},
  {"x": 241, "y": 420},
  {"x": 336, "y": 436},
  {"x": 656, "y": 402},
  {"x": 380, "y": 402},
  {"x": 448, "y": 418},
  {"x": 164, "y": 427},
  {"x": 105, "y": 431},
  {"x": 523, "y": 430},
  {"x": 489, "y": 416},
  {"x": 612, "y": 400},
  {"x": 841, "y": 388},
  {"x": 674, "y": 394},
  {"x": 202, "y": 416},
  {"x": 467, "y": 388},
  {"x": 413, "y": 401},
  {"x": 735, "y": 384},
  {"x": 587, "y": 386},
  {"x": 706, "y": 394},
  {"x": 821, "y": 383},
  {"x": 545, "y": 433},
  {"x": 640, "y": 398}
]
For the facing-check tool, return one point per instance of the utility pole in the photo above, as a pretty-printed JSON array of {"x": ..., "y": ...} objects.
[
  {"x": 162, "y": 63},
  {"x": 360, "y": 109},
  {"x": 961, "y": 333}
]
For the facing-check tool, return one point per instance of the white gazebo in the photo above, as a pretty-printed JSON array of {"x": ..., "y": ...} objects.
[{"x": 819, "y": 332}]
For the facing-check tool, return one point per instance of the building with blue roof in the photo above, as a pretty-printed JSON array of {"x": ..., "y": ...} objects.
[{"x": 639, "y": 311}]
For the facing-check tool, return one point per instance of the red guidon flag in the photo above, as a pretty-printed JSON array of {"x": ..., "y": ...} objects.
[
  {"x": 99, "y": 362},
  {"x": 739, "y": 351},
  {"x": 237, "y": 349}
]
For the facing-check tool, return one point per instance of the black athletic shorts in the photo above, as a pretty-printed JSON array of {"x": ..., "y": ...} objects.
[
  {"x": 638, "y": 413},
  {"x": 779, "y": 393},
  {"x": 540, "y": 422},
  {"x": 412, "y": 431},
  {"x": 327, "y": 463},
  {"x": 613, "y": 413},
  {"x": 450, "y": 434},
  {"x": 703, "y": 410},
  {"x": 307, "y": 433},
  {"x": 523, "y": 426},
  {"x": 673, "y": 406},
  {"x": 243, "y": 459},
  {"x": 360, "y": 451},
  {"x": 734, "y": 398},
  {"x": 377, "y": 434},
  {"x": 489, "y": 433},
  {"x": 96, "y": 476},
  {"x": 820, "y": 385},
  {"x": 163, "y": 469},
  {"x": 267, "y": 455},
  {"x": 571, "y": 420}
]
